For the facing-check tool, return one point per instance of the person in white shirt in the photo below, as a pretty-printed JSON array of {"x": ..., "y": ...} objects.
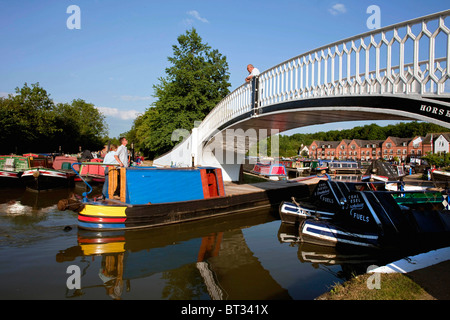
[
  {"x": 122, "y": 153},
  {"x": 122, "y": 159},
  {"x": 252, "y": 72},
  {"x": 110, "y": 158}
]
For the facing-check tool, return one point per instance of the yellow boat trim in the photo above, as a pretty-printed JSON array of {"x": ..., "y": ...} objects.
[
  {"x": 103, "y": 211},
  {"x": 101, "y": 248}
]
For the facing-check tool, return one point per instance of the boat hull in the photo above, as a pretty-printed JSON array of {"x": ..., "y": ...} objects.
[
  {"x": 9, "y": 178},
  {"x": 109, "y": 214},
  {"x": 295, "y": 213},
  {"x": 92, "y": 179},
  {"x": 327, "y": 234},
  {"x": 441, "y": 179},
  {"x": 40, "y": 179}
]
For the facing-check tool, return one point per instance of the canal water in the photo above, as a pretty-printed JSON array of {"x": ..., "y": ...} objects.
[{"x": 244, "y": 256}]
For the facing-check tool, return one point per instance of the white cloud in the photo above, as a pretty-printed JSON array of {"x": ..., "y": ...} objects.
[
  {"x": 196, "y": 15},
  {"x": 338, "y": 8},
  {"x": 120, "y": 114}
]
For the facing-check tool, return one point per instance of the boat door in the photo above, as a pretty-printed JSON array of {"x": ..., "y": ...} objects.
[{"x": 212, "y": 182}]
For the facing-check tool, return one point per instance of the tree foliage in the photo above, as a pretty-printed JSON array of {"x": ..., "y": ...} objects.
[
  {"x": 194, "y": 83},
  {"x": 31, "y": 122},
  {"x": 290, "y": 145}
]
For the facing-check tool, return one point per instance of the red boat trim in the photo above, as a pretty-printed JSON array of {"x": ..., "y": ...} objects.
[{"x": 101, "y": 219}]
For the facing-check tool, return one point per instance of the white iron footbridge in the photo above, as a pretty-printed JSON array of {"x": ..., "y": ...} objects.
[{"x": 399, "y": 72}]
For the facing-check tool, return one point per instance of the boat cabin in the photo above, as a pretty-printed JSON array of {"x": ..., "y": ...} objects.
[
  {"x": 151, "y": 185},
  {"x": 39, "y": 160},
  {"x": 344, "y": 167},
  {"x": 64, "y": 163},
  {"x": 270, "y": 169},
  {"x": 13, "y": 163}
]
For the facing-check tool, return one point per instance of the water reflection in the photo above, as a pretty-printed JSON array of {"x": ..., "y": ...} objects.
[
  {"x": 351, "y": 261},
  {"x": 192, "y": 261},
  {"x": 243, "y": 256},
  {"x": 321, "y": 257},
  {"x": 201, "y": 260}
]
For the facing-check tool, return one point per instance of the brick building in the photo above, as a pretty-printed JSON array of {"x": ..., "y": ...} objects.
[{"x": 366, "y": 150}]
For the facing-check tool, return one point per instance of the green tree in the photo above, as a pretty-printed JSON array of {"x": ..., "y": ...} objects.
[
  {"x": 81, "y": 124},
  {"x": 31, "y": 122},
  {"x": 26, "y": 119},
  {"x": 194, "y": 83}
]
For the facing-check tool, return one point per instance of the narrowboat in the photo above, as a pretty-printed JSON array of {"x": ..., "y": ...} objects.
[
  {"x": 367, "y": 218},
  {"x": 344, "y": 167},
  {"x": 11, "y": 168},
  {"x": 151, "y": 196},
  {"x": 440, "y": 178},
  {"x": 383, "y": 171},
  {"x": 92, "y": 171},
  {"x": 325, "y": 199},
  {"x": 272, "y": 170},
  {"x": 42, "y": 175},
  {"x": 303, "y": 166}
]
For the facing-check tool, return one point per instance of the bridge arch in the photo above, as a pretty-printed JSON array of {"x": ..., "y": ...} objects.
[{"x": 354, "y": 79}]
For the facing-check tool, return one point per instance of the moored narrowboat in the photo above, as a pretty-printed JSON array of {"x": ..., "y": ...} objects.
[
  {"x": 11, "y": 168},
  {"x": 348, "y": 215},
  {"x": 41, "y": 174},
  {"x": 440, "y": 178},
  {"x": 92, "y": 171},
  {"x": 150, "y": 196},
  {"x": 271, "y": 170},
  {"x": 344, "y": 167}
]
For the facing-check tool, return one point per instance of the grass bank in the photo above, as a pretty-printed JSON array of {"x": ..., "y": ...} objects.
[{"x": 392, "y": 286}]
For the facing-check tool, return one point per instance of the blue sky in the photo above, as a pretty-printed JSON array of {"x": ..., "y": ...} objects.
[{"x": 121, "y": 50}]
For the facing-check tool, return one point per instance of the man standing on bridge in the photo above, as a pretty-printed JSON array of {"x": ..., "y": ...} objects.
[{"x": 252, "y": 72}]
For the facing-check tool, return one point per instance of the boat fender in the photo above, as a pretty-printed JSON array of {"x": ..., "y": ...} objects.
[
  {"x": 70, "y": 204},
  {"x": 36, "y": 173}
]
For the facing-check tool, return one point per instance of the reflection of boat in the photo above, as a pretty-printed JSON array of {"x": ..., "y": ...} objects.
[
  {"x": 175, "y": 251},
  {"x": 352, "y": 262},
  {"x": 372, "y": 219}
]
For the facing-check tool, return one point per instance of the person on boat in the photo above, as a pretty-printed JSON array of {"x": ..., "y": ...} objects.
[
  {"x": 252, "y": 72},
  {"x": 110, "y": 158},
  {"x": 122, "y": 153},
  {"x": 122, "y": 158}
]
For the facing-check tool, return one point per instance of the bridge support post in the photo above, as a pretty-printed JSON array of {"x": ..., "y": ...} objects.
[{"x": 255, "y": 96}]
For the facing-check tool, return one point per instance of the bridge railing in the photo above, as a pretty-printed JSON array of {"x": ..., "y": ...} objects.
[
  {"x": 411, "y": 57},
  {"x": 236, "y": 103}
]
